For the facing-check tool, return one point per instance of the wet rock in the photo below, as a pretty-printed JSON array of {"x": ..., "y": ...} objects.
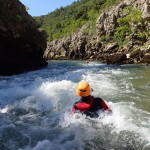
[
  {"x": 136, "y": 53},
  {"x": 146, "y": 58},
  {"x": 115, "y": 58}
]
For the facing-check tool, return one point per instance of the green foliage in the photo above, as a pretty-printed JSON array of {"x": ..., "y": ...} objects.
[
  {"x": 68, "y": 19},
  {"x": 58, "y": 56},
  {"x": 142, "y": 35},
  {"x": 106, "y": 38},
  {"x": 18, "y": 17},
  {"x": 130, "y": 24},
  {"x": 27, "y": 8},
  {"x": 109, "y": 3}
]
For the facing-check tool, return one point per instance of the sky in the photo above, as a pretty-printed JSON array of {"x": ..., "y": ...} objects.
[{"x": 43, "y": 7}]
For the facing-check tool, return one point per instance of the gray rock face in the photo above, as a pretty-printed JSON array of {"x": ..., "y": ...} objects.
[
  {"x": 146, "y": 10},
  {"x": 107, "y": 21},
  {"x": 115, "y": 58},
  {"x": 22, "y": 45},
  {"x": 75, "y": 47},
  {"x": 146, "y": 58},
  {"x": 83, "y": 45}
]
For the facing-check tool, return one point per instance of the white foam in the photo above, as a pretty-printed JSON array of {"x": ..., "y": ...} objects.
[
  {"x": 4, "y": 110},
  {"x": 49, "y": 95},
  {"x": 40, "y": 108},
  {"x": 120, "y": 121}
]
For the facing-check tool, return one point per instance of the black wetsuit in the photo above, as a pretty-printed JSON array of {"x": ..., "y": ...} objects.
[{"x": 95, "y": 104}]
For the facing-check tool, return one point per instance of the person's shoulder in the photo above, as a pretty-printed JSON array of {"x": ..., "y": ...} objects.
[{"x": 97, "y": 98}]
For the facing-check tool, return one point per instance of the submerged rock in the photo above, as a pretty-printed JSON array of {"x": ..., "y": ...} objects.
[{"x": 21, "y": 43}]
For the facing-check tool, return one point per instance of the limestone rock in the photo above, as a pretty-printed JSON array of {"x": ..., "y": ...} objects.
[
  {"x": 115, "y": 58},
  {"x": 83, "y": 45},
  {"x": 146, "y": 58},
  {"x": 146, "y": 11}
]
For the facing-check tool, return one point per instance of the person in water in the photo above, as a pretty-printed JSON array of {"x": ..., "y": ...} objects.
[{"x": 88, "y": 105}]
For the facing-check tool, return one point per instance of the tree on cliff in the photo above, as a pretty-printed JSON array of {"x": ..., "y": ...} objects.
[{"x": 27, "y": 8}]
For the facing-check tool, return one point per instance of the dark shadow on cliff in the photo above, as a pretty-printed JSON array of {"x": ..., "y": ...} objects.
[{"x": 22, "y": 44}]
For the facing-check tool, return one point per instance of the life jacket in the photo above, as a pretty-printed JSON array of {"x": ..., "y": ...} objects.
[{"x": 89, "y": 106}]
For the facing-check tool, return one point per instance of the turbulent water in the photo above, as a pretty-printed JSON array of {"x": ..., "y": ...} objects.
[{"x": 35, "y": 108}]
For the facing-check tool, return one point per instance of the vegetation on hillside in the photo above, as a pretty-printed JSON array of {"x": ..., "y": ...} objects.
[
  {"x": 130, "y": 26},
  {"x": 68, "y": 19}
]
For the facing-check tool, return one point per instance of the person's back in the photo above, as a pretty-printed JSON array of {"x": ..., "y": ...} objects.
[{"x": 87, "y": 104}]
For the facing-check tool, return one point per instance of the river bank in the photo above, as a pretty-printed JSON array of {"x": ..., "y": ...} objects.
[{"x": 120, "y": 35}]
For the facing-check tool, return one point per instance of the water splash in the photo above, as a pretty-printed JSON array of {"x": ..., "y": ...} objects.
[{"x": 35, "y": 109}]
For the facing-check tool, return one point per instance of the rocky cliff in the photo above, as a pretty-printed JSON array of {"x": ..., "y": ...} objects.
[
  {"x": 105, "y": 45},
  {"x": 21, "y": 43}
]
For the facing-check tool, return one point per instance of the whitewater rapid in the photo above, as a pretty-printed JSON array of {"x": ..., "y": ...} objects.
[{"x": 35, "y": 108}]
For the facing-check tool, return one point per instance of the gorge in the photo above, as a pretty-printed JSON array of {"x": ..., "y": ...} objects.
[{"x": 122, "y": 36}]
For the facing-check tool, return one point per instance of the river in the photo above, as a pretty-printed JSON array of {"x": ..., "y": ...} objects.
[{"x": 35, "y": 108}]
